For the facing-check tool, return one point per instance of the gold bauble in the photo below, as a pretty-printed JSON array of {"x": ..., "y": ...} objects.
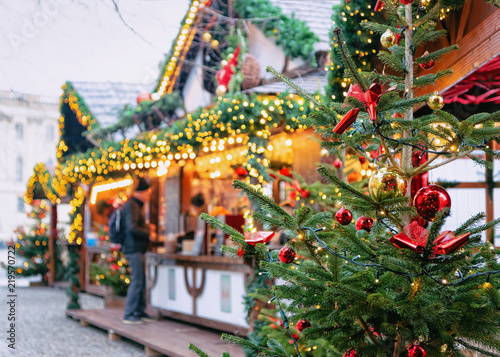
[
  {"x": 215, "y": 43},
  {"x": 446, "y": 139},
  {"x": 387, "y": 183},
  {"x": 206, "y": 37},
  {"x": 435, "y": 101},
  {"x": 221, "y": 90},
  {"x": 388, "y": 38}
]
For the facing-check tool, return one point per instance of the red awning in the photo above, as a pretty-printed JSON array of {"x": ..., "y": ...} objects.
[{"x": 481, "y": 86}]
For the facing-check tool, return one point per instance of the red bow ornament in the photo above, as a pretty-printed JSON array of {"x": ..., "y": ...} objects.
[
  {"x": 303, "y": 193},
  {"x": 415, "y": 239},
  {"x": 258, "y": 237},
  {"x": 446, "y": 242},
  {"x": 379, "y": 6},
  {"x": 372, "y": 96}
]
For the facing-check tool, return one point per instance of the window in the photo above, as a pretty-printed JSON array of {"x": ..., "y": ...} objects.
[
  {"x": 49, "y": 135},
  {"x": 20, "y": 204},
  {"x": 19, "y": 131},
  {"x": 19, "y": 169}
]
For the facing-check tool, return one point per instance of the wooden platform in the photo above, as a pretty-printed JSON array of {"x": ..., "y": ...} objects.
[{"x": 163, "y": 337}]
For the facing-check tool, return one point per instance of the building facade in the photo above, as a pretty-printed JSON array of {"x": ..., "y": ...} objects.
[{"x": 28, "y": 134}]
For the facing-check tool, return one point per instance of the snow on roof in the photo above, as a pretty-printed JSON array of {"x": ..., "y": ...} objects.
[
  {"x": 106, "y": 99},
  {"x": 310, "y": 84}
]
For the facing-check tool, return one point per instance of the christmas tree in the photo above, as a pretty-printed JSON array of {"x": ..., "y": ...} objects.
[
  {"x": 32, "y": 245},
  {"x": 381, "y": 276},
  {"x": 111, "y": 269}
]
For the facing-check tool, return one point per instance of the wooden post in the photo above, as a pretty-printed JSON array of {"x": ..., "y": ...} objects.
[{"x": 489, "y": 198}]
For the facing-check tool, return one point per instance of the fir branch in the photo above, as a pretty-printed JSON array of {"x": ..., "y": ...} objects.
[
  {"x": 471, "y": 221},
  {"x": 483, "y": 351},
  {"x": 372, "y": 338},
  {"x": 388, "y": 59},
  {"x": 427, "y": 33},
  {"x": 481, "y": 162},
  {"x": 214, "y": 222},
  {"x": 349, "y": 63},
  {"x": 384, "y": 78},
  {"x": 288, "y": 220},
  {"x": 323, "y": 171},
  {"x": 264, "y": 218},
  {"x": 432, "y": 78},
  {"x": 433, "y": 12},
  {"x": 404, "y": 104},
  {"x": 418, "y": 170},
  {"x": 247, "y": 344},
  {"x": 196, "y": 350},
  {"x": 287, "y": 80},
  {"x": 436, "y": 54}
]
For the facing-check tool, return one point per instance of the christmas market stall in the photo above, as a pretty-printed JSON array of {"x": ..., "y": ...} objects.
[{"x": 250, "y": 127}]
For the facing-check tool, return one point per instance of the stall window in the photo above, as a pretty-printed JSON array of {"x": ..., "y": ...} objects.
[
  {"x": 19, "y": 131},
  {"x": 19, "y": 169},
  {"x": 49, "y": 134},
  {"x": 20, "y": 205}
]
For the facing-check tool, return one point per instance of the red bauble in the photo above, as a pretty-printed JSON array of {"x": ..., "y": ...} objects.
[
  {"x": 295, "y": 337},
  {"x": 287, "y": 255},
  {"x": 416, "y": 351},
  {"x": 343, "y": 216},
  {"x": 429, "y": 200},
  {"x": 303, "y": 324},
  {"x": 406, "y": 2},
  {"x": 351, "y": 352},
  {"x": 285, "y": 172},
  {"x": 114, "y": 267},
  {"x": 427, "y": 65},
  {"x": 364, "y": 222},
  {"x": 241, "y": 171},
  {"x": 337, "y": 163}
]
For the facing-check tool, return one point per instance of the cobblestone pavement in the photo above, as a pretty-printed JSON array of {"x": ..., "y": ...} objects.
[{"x": 42, "y": 328}]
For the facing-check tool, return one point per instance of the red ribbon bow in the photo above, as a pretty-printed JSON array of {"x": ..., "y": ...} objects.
[
  {"x": 296, "y": 186},
  {"x": 415, "y": 239},
  {"x": 225, "y": 74},
  {"x": 369, "y": 99},
  {"x": 372, "y": 96},
  {"x": 346, "y": 121},
  {"x": 379, "y": 6},
  {"x": 259, "y": 237}
]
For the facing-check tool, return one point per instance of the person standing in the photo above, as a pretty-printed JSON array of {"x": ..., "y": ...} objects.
[{"x": 135, "y": 245}]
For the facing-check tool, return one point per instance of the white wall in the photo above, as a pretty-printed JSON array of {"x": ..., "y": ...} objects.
[
  {"x": 194, "y": 94},
  {"x": 268, "y": 53},
  {"x": 35, "y": 114}
]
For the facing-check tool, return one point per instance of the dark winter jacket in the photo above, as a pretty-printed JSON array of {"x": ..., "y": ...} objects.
[{"x": 136, "y": 229}]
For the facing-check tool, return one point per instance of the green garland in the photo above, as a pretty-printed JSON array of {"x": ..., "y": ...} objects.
[
  {"x": 291, "y": 34},
  {"x": 72, "y": 274},
  {"x": 149, "y": 115},
  {"x": 238, "y": 114}
]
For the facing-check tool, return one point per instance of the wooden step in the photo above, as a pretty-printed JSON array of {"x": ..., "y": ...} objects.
[{"x": 162, "y": 337}]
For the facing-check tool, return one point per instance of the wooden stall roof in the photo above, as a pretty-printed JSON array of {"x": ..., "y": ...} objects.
[{"x": 476, "y": 47}]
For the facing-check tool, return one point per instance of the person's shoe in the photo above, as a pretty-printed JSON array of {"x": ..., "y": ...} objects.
[
  {"x": 146, "y": 318},
  {"x": 132, "y": 320}
]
